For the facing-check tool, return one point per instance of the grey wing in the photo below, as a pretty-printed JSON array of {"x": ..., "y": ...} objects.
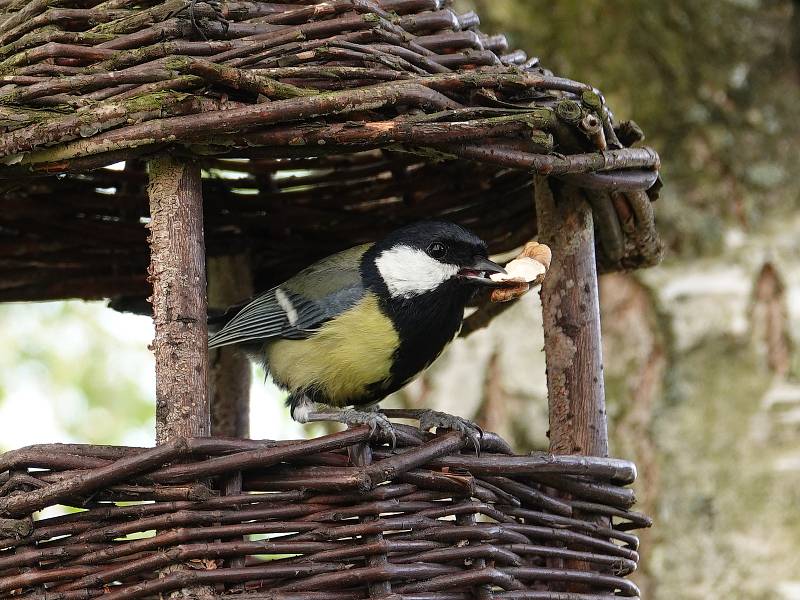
[
  {"x": 280, "y": 313},
  {"x": 275, "y": 313},
  {"x": 297, "y": 308}
]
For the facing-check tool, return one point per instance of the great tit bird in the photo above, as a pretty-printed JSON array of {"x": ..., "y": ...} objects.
[{"x": 360, "y": 324}]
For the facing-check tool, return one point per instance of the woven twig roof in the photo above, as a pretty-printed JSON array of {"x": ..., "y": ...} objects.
[{"x": 319, "y": 125}]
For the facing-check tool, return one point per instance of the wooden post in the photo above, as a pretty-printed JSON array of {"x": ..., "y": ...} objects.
[
  {"x": 361, "y": 456},
  {"x": 571, "y": 320},
  {"x": 229, "y": 281},
  {"x": 571, "y": 316},
  {"x": 178, "y": 274}
]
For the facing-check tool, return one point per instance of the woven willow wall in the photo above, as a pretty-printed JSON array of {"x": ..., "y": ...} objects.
[{"x": 429, "y": 522}]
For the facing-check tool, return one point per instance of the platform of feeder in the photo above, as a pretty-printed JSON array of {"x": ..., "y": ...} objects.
[{"x": 321, "y": 519}]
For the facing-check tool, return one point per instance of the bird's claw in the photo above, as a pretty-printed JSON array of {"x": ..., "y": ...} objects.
[
  {"x": 428, "y": 419},
  {"x": 377, "y": 423}
]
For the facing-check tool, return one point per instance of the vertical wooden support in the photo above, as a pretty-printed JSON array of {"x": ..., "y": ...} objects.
[
  {"x": 571, "y": 315},
  {"x": 571, "y": 320},
  {"x": 229, "y": 281},
  {"x": 178, "y": 274},
  {"x": 361, "y": 456}
]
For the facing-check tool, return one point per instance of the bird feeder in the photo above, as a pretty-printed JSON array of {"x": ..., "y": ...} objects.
[{"x": 151, "y": 147}]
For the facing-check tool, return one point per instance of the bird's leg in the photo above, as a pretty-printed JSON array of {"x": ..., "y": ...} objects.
[
  {"x": 304, "y": 410},
  {"x": 428, "y": 419}
]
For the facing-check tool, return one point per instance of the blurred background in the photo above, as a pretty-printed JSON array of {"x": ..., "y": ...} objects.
[{"x": 701, "y": 356}]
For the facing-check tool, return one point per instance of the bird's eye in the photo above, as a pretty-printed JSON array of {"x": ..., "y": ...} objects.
[{"x": 437, "y": 250}]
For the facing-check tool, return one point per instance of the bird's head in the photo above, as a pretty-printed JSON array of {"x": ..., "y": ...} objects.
[{"x": 422, "y": 257}]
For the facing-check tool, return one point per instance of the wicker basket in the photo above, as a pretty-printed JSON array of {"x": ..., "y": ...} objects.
[{"x": 324, "y": 519}]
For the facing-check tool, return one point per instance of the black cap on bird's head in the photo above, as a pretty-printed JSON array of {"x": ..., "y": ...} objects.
[{"x": 418, "y": 258}]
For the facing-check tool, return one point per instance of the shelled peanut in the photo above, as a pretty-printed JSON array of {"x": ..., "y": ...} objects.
[{"x": 526, "y": 270}]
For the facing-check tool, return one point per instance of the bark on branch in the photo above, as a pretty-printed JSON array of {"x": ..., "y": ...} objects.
[
  {"x": 177, "y": 272},
  {"x": 571, "y": 322}
]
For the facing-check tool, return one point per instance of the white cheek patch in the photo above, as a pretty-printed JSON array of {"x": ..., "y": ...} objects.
[{"x": 410, "y": 272}]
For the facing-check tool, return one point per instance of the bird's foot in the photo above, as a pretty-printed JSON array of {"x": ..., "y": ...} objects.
[
  {"x": 428, "y": 419},
  {"x": 377, "y": 422}
]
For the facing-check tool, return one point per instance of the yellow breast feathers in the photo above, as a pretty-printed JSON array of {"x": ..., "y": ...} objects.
[{"x": 346, "y": 356}]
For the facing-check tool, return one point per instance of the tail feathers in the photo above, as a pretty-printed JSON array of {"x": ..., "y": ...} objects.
[{"x": 218, "y": 318}]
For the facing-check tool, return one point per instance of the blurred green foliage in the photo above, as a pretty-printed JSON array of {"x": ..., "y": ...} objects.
[{"x": 90, "y": 364}]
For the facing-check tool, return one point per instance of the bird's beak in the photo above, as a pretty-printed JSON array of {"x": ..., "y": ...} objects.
[{"x": 479, "y": 271}]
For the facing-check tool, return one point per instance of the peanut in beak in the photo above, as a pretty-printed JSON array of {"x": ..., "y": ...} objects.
[{"x": 526, "y": 270}]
